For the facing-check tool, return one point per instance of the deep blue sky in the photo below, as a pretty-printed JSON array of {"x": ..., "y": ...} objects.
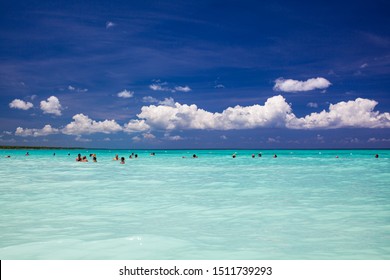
[{"x": 123, "y": 74}]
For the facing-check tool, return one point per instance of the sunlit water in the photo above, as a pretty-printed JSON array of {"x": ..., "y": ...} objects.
[{"x": 300, "y": 205}]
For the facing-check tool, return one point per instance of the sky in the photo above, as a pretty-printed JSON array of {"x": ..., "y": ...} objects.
[{"x": 195, "y": 74}]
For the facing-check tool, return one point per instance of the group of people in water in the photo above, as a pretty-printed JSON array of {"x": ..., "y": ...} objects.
[{"x": 80, "y": 158}]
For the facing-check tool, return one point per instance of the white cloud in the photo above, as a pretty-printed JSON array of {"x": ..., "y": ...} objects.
[
  {"x": 125, "y": 94},
  {"x": 136, "y": 126},
  {"x": 136, "y": 139},
  {"x": 219, "y": 86},
  {"x": 183, "y": 89},
  {"x": 274, "y": 113},
  {"x": 109, "y": 24},
  {"x": 167, "y": 102},
  {"x": 72, "y": 88},
  {"x": 46, "y": 130},
  {"x": 148, "y": 136},
  {"x": 163, "y": 86},
  {"x": 374, "y": 140},
  {"x": 149, "y": 99},
  {"x": 364, "y": 65},
  {"x": 357, "y": 113},
  {"x": 289, "y": 85},
  {"x": 51, "y": 106},
  {"x": 81, "y": 139},
  {"x": 223, "y": 137},
  {"x": 175, "y": 138},
  {"x": 20, "y": 104},
  {"x": 312, "y": 105},
  {"x": 273, "y": 140},
  {"x": 84, "y": 125},
  {"x": 159, "y": 87}
]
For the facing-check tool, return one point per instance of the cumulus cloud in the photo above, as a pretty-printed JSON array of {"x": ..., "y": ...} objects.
[
  {"x": 46, "y": 130},
  {"x": 148, "y": 136},
  {"x": 167, "y": 102},
  {"x": 51, "y": 106},
  {"x": 84, "y": 125},
  {"x": 219, "y": 86},
  {"x": 136, "y": 126},
  {"x": 289, "y": 85},
  {"x": 274, "y": 113},
  {"x": 355, "y": 113},
  {"x": 20, "y": 104},
  {"x": 125, "y": 94}
]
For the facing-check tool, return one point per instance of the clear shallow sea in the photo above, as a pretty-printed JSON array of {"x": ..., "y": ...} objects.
[{"x": 305, "y": 204}]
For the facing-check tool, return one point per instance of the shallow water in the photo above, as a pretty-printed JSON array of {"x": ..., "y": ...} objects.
[{"x": 305, "y": 204}]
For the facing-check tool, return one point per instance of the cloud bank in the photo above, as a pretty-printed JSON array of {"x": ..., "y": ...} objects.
[
  {"x": 289, "y": 85},
  {"x": 275, "y": 113}
]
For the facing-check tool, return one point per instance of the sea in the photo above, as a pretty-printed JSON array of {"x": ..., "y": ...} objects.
[{"x": 300, "y": 205}]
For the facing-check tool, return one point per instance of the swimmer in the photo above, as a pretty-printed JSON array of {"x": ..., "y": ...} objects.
[
  {"x": 94, "y": 158},
  {"x": 79, "y": 158},
  {"x": 234, "y": 155},
  {"x": 275, "y": 156},
  {"x": 84, "y": 159},
  {"x": 253, "y": 155},
  {"x": 136, "y": 156},
  {"x": 130, "y": 156},
  {"x": 376, "y": 156},
  {"x": 259, "y": 155},
  {"x": 122, "y": 160},
  {"x": 27, "y": 154},
  {"x": 68, "y": 154},
  {"x": 54, "y": 154},
  {"x": 8, "y": 156},
  {"x": 194, "y": 156},
  {"x": 153, "y": 154},
  {"x": 116, "y": 157}
]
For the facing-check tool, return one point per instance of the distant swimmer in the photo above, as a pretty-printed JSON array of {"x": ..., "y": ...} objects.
[
  {"x": 259, "y": 155},
  {"x": 94, "y": 158},
  {"x": 116, "y": 157},
  {"x": 136, "y": 156},
  {"x": 337, "y": 156},
  {"x": 84, "y": 159},
  {"x": 376, "y": 156},
  {"x": 7, "y": 156},
  {"x": 194, "y": 156},
  {"x": 68, "y": 154},
  {"x": 153, "y": 154},
  {"x": 234, "y": 155},
  {"x": 54, "y": 154},
  {"x": 253, "y": 155},
  {"x": 27, "y": 154},
  {"x": 130, "y": 156},
  {"x": 79, "y": 158},
  {"x": 275, "y": 156},
  {"x": 122, "y": 160}
]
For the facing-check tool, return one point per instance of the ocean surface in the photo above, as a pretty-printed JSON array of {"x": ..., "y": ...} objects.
[{"x": 304, "y": 204}]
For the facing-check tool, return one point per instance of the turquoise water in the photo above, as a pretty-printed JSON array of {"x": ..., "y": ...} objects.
[{"x": 304, "y": 204}]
